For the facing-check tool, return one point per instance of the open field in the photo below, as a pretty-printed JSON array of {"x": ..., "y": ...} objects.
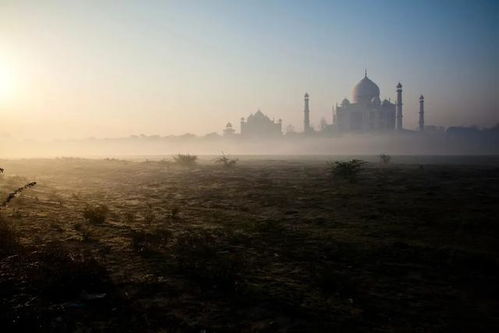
[{"x": 266, "y": 246}]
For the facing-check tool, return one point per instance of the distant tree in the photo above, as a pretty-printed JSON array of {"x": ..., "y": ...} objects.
[{"x": 384, "y": 158}]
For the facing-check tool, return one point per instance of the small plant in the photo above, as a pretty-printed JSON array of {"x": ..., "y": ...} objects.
[
  {"x": 95, "y": 214},
  {"x": 185, "y": 160},
  {"x": 384, "y": 159},
  {"x": 348, "y": 170},
  {"x": 13, "y": 194},
  {"x": 225, "y": 161}
]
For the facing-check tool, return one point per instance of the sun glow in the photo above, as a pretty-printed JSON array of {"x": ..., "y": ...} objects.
[{"x": 6, "y": 83}]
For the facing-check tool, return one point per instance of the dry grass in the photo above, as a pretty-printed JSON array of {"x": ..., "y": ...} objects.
[{"x": 269, "y": 246}]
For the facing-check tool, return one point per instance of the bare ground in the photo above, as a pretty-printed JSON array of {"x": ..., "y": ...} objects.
[{"x": 267, "y": 246}]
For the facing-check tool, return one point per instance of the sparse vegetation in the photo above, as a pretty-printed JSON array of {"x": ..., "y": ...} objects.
[
  {"x": 346, "y": 170},
  {"x": 95, "y": 214},
  {"x": 226, "y": 161},
  {"x": 384, "y": 159},
  {"x": 268, "y": 246},
  {"x": 14, "y": 193},
  {"x": 185, "y": 160}
]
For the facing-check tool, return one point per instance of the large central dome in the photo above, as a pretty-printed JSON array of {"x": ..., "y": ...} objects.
[{"x": 365, "y": 91}]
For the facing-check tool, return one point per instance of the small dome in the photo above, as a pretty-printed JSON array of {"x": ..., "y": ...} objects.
[
  {"x": 345, "y": 102},
  {"x": 229, "y": 125},
  {"x": 399, "y": 86},
  {"x": 365, "y": 91}
]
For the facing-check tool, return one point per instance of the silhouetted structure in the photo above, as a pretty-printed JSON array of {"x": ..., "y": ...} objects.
[
  {"x": 421, "y": 113},
  {"x": 367, "y": 112},
  {"x": 259, "y": 125},
  {"x": 306, "y": 121},
  {"x": 228, "y": 130},
  {"x": 399, "y": 107}
]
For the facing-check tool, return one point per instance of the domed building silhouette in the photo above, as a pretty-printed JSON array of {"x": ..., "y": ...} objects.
[
  {"x": 228, "y": 130},
  {"x": 367, "y": 112},
  {"x": 258, "y": 125}
]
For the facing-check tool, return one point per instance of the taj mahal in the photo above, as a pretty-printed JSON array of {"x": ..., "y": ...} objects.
[{"x": 366, "y": 112}]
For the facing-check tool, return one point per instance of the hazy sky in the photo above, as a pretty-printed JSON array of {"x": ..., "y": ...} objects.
[{"x": 72, "y": 69}]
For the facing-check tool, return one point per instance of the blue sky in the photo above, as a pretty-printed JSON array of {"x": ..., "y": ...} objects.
[{"x": 107, "y": 68}]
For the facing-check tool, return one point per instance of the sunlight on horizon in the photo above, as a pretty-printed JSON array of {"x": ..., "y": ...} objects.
[{"x": 76, "y": 70}]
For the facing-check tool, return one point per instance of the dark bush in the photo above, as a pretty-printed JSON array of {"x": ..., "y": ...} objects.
[
  {"x": 384, "y": 158},
  {"x": 348, "y": 170},
  {"x": 96, "y": 214},
  {"x": 185, "y": 160}
]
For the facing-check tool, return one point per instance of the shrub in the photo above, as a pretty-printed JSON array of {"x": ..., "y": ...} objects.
[
  {"x": 225, "y": 161},
  {"x": 96, "y": 214},
  {"x": 384, "y": 159},
  {"x": 185, "y": 160},
  {"x": 348, "y": 170}
]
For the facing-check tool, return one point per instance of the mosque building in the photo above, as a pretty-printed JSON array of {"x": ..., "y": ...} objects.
[
  {"x": 366, "y": 111},
  {"x": 259, "y": 125}
]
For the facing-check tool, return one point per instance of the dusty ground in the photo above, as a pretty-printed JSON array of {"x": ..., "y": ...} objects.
[{"x": 266, "y": 246}]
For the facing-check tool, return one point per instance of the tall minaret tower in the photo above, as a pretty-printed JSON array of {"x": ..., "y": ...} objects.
[
  {"x": 306, "y": 120},
  {"x": 399, "y": 107},
  {"x": 421, "y": 113}
]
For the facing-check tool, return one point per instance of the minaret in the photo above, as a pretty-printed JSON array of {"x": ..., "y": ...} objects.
[
  {"x": 242, "y": 126},
  {"x": 421, "y": 113},
  {"x": 399, "y": 107},
  {"x": 306, "y": 121}
]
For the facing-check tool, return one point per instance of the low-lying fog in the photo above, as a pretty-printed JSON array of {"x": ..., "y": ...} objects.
[{"x": 410, "y": 143}]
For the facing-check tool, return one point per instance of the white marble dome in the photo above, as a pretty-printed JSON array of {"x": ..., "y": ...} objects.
[{"x": 365, "y": 91}]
